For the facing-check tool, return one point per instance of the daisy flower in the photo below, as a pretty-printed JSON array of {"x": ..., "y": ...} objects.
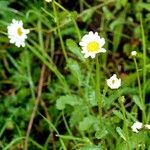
[
  {"x": 147, "y": 126},
  {"x": 136, "y": 126},
  {"x": 16, "y": 33},
  {"x": 48, "y": 1},
  {"x": 133, "y": 53},
  {"x": 113, "y": 82},
  {"x": 92, "y": 44}
]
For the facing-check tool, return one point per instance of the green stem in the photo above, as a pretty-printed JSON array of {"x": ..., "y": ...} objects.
[
  {"x": 121, "y": 101},
  {"x": 1, "y": 32},
  {"x": 98, "y": 93},
  {"x": 13, "y": 142},
  {"x": 32, "y": 87},
  {"x": 54, "y": 129},
  {"x": 66, "y": 124},
  {"x": 51, "y": 67},
  {"x": 140, "y": 91},
  {"x": 144, "y": 59},
  {"x": 59, "y": 32},
  {"x": 73, "y": 20}
]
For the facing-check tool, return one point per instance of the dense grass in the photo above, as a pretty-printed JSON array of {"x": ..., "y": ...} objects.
[{"x": 52, "y": 98}]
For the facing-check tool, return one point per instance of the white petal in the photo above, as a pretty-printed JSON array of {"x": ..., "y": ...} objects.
[
  {"x": 18, "y": 40},
  {"x": 136, "y": 126},
  {"x": 91, "y": 37},
  {"x": 113, "y": 82},
  {"x": 102, "y": 50},
  {"x": 147, "y": 126},
  {"x": 92, "y": 55},
  {"x": 102, "y": 41}
]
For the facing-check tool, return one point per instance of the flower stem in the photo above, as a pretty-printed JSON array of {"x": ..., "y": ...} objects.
[
  {"x": 144, "y": 58},
  {"x": 140, "y": 91},
  {"x": 98, "y": 93},
  {"x": 59, "y": 31},
  {"x": 121, "y": 101}
]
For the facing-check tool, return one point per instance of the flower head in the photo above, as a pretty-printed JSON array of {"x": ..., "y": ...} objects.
[
  {"x": 147, "y": 126},
  {"x": 92, "y": 44},
  {"x": 133, "y": 53},
  {"x": 16, "y": 33},
  {"x": 48, "y": 1},
  {"x": 113, "y": 82},
  {"x": 136, "y": 126}
]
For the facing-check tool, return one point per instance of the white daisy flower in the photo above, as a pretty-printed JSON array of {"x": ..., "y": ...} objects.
[
  {"x": 114, "y": 82},
  {"x": 133, "y": 53},
  {"x": 48, "y": 1},
  {"x": 16, "y": 33},
  {"x": 92, "y": 44},
  {"x": 136, "y": 126},
  {"x": 147, "y": 126}
]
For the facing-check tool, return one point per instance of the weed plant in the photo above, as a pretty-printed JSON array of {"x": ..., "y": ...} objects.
[{"x": 53, "y": 98}]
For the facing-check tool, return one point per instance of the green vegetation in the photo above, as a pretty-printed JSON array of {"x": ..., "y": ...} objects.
[{"x": 53, "y": 98}]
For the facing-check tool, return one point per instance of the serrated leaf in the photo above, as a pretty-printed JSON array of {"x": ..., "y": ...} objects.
[
  {"x": 123, "y": 2},
  {"x": 75, "y": 70},
  {"x": 121, "y": 133},
  {"x": 94, "y": 147},
  {"x": 108, "y": 14},
  {"x": 137, "y": 101},
  {"x": 101, "y": 133},
  {"x": 118, "y": 114},
  {"x": 87, "y": 15},
  {"x": 87, "y": 123},
  {"x": 74, "y": 48},
  {"x": 144, "y": 5},
  {"x": 62, "y": 101}
]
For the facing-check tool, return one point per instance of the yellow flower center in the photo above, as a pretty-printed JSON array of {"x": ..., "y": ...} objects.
[
  {"x": 19, "y": 31},
  {"x": 113, "y": 81},
  {"x": 93, "y": 46}
]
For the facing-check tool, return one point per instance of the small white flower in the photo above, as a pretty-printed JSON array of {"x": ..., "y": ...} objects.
[
  {"x": 16, "y": 33},
  {"x": 136, "y": 126},
  {"x": 147, "y": 126},
  {"x": 48, "y": 1},
  {"x": 92, "y": 44},
  {"x": 114, "y": 82},
  {"x": 133, "y": 53}
]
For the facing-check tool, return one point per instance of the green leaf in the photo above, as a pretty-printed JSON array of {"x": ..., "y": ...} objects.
[
  {"x": 123, "y": 2},
  {"x": 108, "y": 14},
  {"x": 75, "y": 70},
  {"x": 137, "y": 101},
  {"x": 117, "y": 27},
  {"x": 66, "y": 100},
  {"x": 121, "y": 133},
  {"x": 144, "y": 5},
  {"x": 87, "y": 15},
  {"x": 93, "y": 147},
  {"x": 87, "y": 123},
  {"x": 74, "y": 48},
  {"x": 101, "y": 133},
  {"x": 118, "y": 114}
]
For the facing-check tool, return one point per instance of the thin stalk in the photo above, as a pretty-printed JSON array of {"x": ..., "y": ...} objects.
[
  {"x": 140, "y": 91},
  {"x": 59, "y": 32},
  {"x": 121, "y": 101},
  {"x": 85, "y": 140},
  {"x": 144, "y": 60},
  {"x": 51, "y": 67},
  {"x": 74, "y": 22},
  {"x": 32, "y": 87},
  {"x": 66, "y": 124},
  {"x": 13, "y": 142},
  {"x": 1, "y": 32},
  {"x": 54, "y": 128},
  {"x": 98, "y": 93}
]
